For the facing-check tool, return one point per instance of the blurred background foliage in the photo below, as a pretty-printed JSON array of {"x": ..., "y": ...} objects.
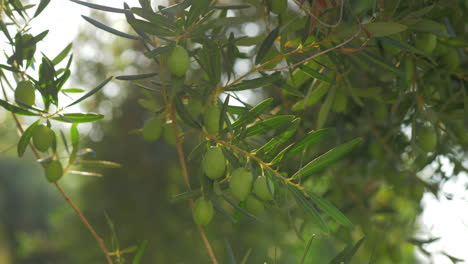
[{"x": 379, "y": 187}]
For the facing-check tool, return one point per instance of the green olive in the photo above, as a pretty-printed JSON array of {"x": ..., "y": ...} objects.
[
  {"x": 178, "y": 61},
  {"x": 241, "y": 183},
  {"x": 278, "y": 6},
  {"x": 152, "y": 129},
  {"x": 203, "y": 211},
  {"x": 54, "y": 171},
  {"x": 42, "y": 137},
  {"x": 253, "y": 205},
  {"x": 168, "y": 134},
  {"x": 426, "y": 138},
  {"x": 211, "y": 119},
  {"x": 264, "y": 188},
  {"x": 214, "y": 163},
  {"x": 451, "y": 60},
  {"x": 24, "y": 93},
  {"x": 426, "y": 42}
]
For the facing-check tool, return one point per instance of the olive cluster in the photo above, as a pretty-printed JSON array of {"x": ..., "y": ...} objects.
[
  {"x": 253, "y": 192},
  {"x": 42, "y": 135}
]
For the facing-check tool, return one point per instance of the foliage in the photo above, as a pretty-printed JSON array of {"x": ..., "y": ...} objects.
[{"x": 389, "y": 76}]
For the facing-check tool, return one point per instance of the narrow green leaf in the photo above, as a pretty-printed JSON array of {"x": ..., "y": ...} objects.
[
  {"x": 231, "y": 259},
  {"x": 100, "y": 7},
  {"x": 186, "y": 196},
  {"x": 246, "y": 256},
  {"x": 157, "y": 19},
  {"x": 326, "y": 159},
  {"x": 308, "y": 208},
  {"x": 15, "y": 109},
  {"x": 150, "y": 28},
  {"x": 255, "y": 83},
  {"x": 101, "y": 164},
  {"x": 139, "y": 254},
  {"x": 268, "y": 124},
  {"x": 282, "y": 137},
  {"x": 95, "y": 90},
  {"x": 330, "y": 209},
  {"x": 158, "y": 51},
  {"x": 279, "y": 157},
  {"x": 62, "y": 54},
  {"x": 379, "y": 61},
  {"x": 312, "y": 138},
  {"x": 240, "y": 209},
  {"x": 136, "y": 76},
  {"x": 72, "y": 90},
  {"x": 225, "y": 213},
  {"x": 253, "y": 113},
  {"x": 307, "y": 249},
  {"x": 79, "y": 117},
  {"x": 325, "y": 108},
  {"x": 42, "y": 5},
  {"x": 345, "y": 256},
  {"x": 315, "y": 74},
  {"x": 25, "y": 138},
  {"x": 380, "y": 29},
  {"x": 184, "y": 114},
  {"x": 266, "y": 45},
  {"x": 109, "y": 29},
  {"x": 237, "y": 110},
  {"x": 227, "y": 7},
  {"x": 407, "y": 48}
]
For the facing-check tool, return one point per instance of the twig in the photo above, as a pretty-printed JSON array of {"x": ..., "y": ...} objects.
[{"x": 183, "y": 164}]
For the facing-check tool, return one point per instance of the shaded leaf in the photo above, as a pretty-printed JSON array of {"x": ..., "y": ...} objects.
[
  {"x": 255, "y": 83},
  {"x": 227, "y": 7},
  {"x": 266, "y": 45},
  {"x": 136, "y": 76},
  {"x": 312, "y": 138},
  {"x": 62, "y": 54},
  {"x": 139, "y": 253},
  {"x": 253, "y": 113},
  {"x": 109, "y": 29},
  {"x": 268, "y": 124},
  {"x": 184, "y": 114},
  {"x": 345, "y": 256},
  {"x": 380, "y": 29},
  {"x": 95, "y": 90},
  {"x": 315, "y": 74},
  {"x": 330, "y": 209},
  {"x": 326, "y": 159},
  {"x": 100, "y": 7},
  {"x": 308, "y": 208},
  {"x": 15, "y": 109},
  {"x": 25, "y": 138},
  {"x": 42, "y": 5},
  {"x": 79, "y": 117}
]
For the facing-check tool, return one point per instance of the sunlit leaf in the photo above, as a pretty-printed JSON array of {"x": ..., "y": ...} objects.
[{"x": 25, "y": 138}]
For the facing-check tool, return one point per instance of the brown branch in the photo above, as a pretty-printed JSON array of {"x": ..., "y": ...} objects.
[
  {"x": 183, "y": 164},
  {"x": 70, "y": 202}
]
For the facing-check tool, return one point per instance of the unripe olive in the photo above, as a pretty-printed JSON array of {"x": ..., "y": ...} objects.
[
  {"x": 168, "y": 134},
  {"x": 253, "y": 205},
  {"x": 262, "y": 188},
  {"x": 211, "y": 119},
  {"x": 450, "y": 60},
  {"x": 203, "y": 211},
  {"x": 278, "y": 6},
  {"x": 24, "y": 93},
  {"x": 178, "y": 61},
  {"x": 426, "y": 138},
  {"x": 461, "y": 132},
  {"x": 42, "y": 137},
  {"x": 152, "y": 129},
  {"x": 241, "y": 183},
  {"x": 54, "y": 171},
  {"x": 426, "y": 42},
  {"x": 214, "y": 163}
]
